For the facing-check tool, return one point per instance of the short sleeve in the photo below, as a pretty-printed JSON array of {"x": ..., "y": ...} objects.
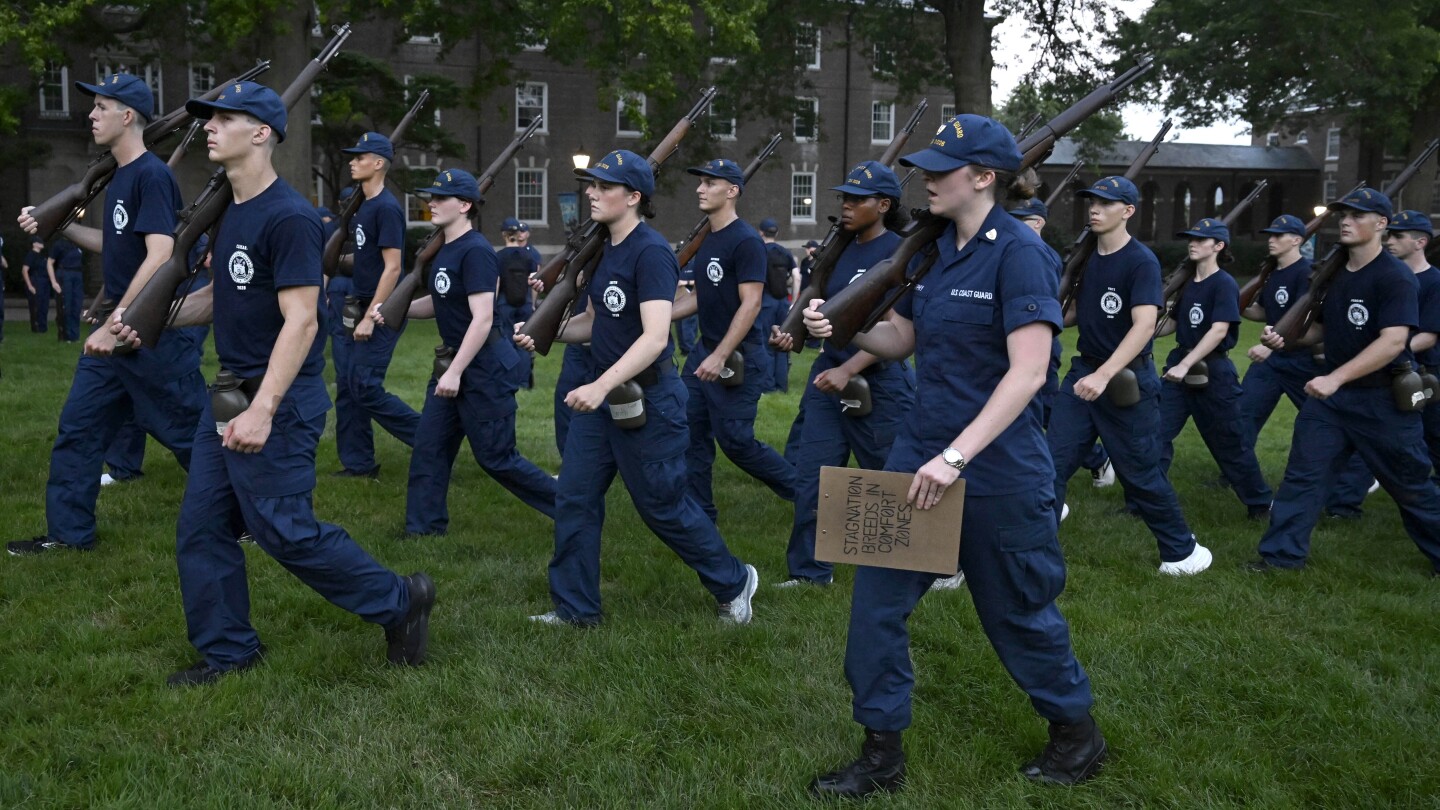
[
  {"x": 1145, "y": 283},
  {"x": 159, "y": 203},
  {"x": 480, "y": 271},
  {"x": 391, "y": 224},
  {"x": 1430, "y": 303},
  {"x": 1225, "y": 307},
  {"x": 1399, "y": 300},
  {"x": 657, "y": 274},
  {"x": 1028, "y": 286},
  {"x": 751, "y": 263},
  {"x": 295, "y": 244}
]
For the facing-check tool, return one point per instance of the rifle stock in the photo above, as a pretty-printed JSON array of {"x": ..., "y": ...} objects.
[
  {"x": 184, "y": 145},
  {"x": 865, "y": 301},
  {"x": 1185, "y": 271},
  {"x": 692, "y": 243},
  {"x": 1064, "y": 184},
  {"x": 835, "y": 242},
  {"x": 1295, "y": 324},
  {"x": 330, "y": 260},
  {"x": 1252, "y": 288}
]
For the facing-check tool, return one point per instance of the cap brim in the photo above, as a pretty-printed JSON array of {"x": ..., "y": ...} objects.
[
  {"x": 207, "y": 109},
  {"x": 1344, "y": 206},
  {"x": 1279, "y": 231},
  {"x": 1102, "y": 194},
  {"x": 90, "y": 89},
  {"x": 1024, "y": 213},
  {"x": 1194, "y": 235},
  {"x": 703, "y": 172},
  {"x": 861, "y": 191},
  {"x": 932, "y": 160},
  {"x": 603, "y": 176}
]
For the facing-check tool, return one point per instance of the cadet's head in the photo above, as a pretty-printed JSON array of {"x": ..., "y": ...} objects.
[
  {"x": 370, "y": 156},
  {"x": 37, "y": 244},
  {"x": 1409, "y": 233},
  {"x": 1032, "y": 212},
  {"x": 1112, "y": 203},
  {"x": 871, "y": 192},
  {"x": 621, "y": 184},
  {"x": 516, "y": 233},
  {"x": 1286, "y": 233},
  {"x": 122, "y": 102},
  {"x": 1208, "y": 238},
  {"x": 769, "y": 229},
  {"x": 810, "y": 247},
  {"x": 721, "y": 184},
  {"x": 1364, "y": 214},
  {"x": 970, "y": 159},
  {"x": 246, "y": 116},
  {"x": 455, "y": 194}
]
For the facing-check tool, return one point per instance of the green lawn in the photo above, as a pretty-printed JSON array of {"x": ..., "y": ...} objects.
[{"x": 1227, "y": 689}]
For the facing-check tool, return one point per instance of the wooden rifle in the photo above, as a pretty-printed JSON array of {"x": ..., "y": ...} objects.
[
  {"x": 1252, "y": 288},
  {"x": 565, "y": 276},
  {"x": 394, "y": 309},
  {"x": 1064, "y": 185},
  {"x": 1294, "y": 326},
  {"x": 1185, "y": 271}
]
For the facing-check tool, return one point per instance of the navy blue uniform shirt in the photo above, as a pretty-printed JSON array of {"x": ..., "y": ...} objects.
[
  {"x": 1283, "y": 288},
  {"x": 1429, "y": 312},
  {"x": 642, "y": 268},
  {"x": 851, "y": 265},
  {"x": 66, "y": 255},
  {"x": 380, "y": 223},
  {"x": 142, "y": 198},
  {"x": 461, "y": 269},
  {"x": 964, "y": 310},
  {"x": 733, "y": 255},
  {"x": 1359, "y": 304},
  {"x": 1111, "y": 286},
  {"x": 264, "y": 245},
  {"x": 1202, "y": 303}
]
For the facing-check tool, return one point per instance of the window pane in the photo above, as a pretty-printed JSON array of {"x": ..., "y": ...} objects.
[
  {"x": 530, "y": 99},
  {"x": 882, "y": 121},
  {"x": 630, "y": 115},
  {"x": 807, "y": 115},
  {"x": 530, "y": 195},
  {"x": 802, "y": 196}
]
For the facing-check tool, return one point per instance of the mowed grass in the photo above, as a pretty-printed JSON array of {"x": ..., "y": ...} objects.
[{"x": 1228, "y": 689}]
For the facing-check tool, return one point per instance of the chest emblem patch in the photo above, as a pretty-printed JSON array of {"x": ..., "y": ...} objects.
[
  {"x": 614, "y": 298},
  {"x": 442, "y": 281},
  {"x": 1357, "y": 313},
  {"x": 359, "y": 236},
  {"x": 1197, "y": 314},
  {"x": 120, "y": 217},
  {"x": 242, "y": 270},
  {"x": 1282, "y": 296},
  {"x": 1111, "y": 302},
  {"x": 714, "y": 271}
]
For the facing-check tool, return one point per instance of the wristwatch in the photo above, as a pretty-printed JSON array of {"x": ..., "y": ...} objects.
[{"x": 954, "y": 458}]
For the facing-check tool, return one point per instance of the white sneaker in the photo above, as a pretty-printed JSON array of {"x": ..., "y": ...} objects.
[
  {"x": 106, "y": 479},
  {"x": 1103, "y": 477},
  {"x": 1374, "y": 487},
  {"x": 1064, "y": 511},
  {"x": 949, "y": 583},
  {"x": 797, "y": 582},
  {"x": 1198, "y": 561},
  {"x": 739, "y": 610}
]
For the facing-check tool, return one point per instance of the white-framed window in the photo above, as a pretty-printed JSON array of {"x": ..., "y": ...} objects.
[
  {"x": 807, "y": 119},
  {"x": 202, "y": 79},
  {"x": 531, "y": 100},
  {"x": 882, "y": 121},
  {"x": 1332, "y": 144},
  {"x": 409, "y": 99},
  {"x": 55, "y": 91},
  {"x": 630, "y": 115},
  {"x": 722, "y": 121},
  {"x": 417, "y": 206},
  {"x": 807, "y": 45},
  {"x": 1303, "y": 138},
  {"x": 882, "y": 62},
  {"x": 1272, "y": 139},
  {"x": 714, "y": 59},
  {"x": 802, "y": 197},
  {"x": 149, "y": 71},
  {"x": 947, "y": 111},
  {"x": 530, "y": 188},
  {"x": 1332, "y": 189},
  {"x": 533, "y": 40},
  {"x": 425, "y": 39}
]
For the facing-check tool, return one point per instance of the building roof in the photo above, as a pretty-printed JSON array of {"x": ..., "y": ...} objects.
[{"x": 1178, "y": 155}]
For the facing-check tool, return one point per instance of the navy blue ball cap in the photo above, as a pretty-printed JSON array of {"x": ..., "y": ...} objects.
[
  {"x": 373, "y": 143},
  {"x": 1286, "y": 223},
  {"x": 1207, "y": 228},
  {"x": 812, "y": 243},
  {"x": 252, "y": 98},
  {"x": 346, "y": 192},
  {"x": 1115, "y": 188},
  {"x": 1411, "y": 220},
  {"x": 870, "y": 179},
  {"x": 967, "y": 140},
  {"x": 769, "y": 226},
  {"x": 1033, "y": 207},
  {"x": 721, "y": 169},
  {"x": 1367, "y": 200},
  {"x": 126, "y": 88},
  {"x": 624, "y": 167},
  {"x": 513, "y": 224},
  {"x": 453, "y": 183}
]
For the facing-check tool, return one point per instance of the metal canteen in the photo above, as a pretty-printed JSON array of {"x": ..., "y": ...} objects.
[
  {"x": 1198, "y": 376},
  {"x": 855, "y": 399},
  {"x": 1124, "y": 388},
  {"x": 443, "y": 355},
  {"x": 1407, "y": 388},
  {"x": 227, "y": 401},
  {"x": 733, "y": 373},
  {"x": 352, "y": 313},
  {"x": 627, "y": 405}
]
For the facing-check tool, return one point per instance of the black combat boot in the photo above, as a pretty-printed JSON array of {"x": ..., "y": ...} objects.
[
  {"x": 1074, "y": 754},
  {"x": 881, "y": 766}
]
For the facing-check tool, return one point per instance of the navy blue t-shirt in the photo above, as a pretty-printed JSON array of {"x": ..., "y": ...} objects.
[
  {"x": 1359, "y": 304},
  {"x": 1111, "y": 286},
  {"x": 142, "y": 198},
  {"x": 641, "y": 268},
  {"x": 460, "y": 269},
  {"x": 852, "y": 264},
  {"x": 1429, "y": 313},
  {"x": 264, "y": 245},
  {"x": 380, "y": 223},
  {"x": 1283, "y": 288},
  {"x": 729, "y": 257},
  {"x": 66, "y": 255},
  {"x": 35, "y": 263},
  {"x": 777, "y": 253},
  {"x": 964, "y": 310},
  {"x": 1202, "y": 303}
]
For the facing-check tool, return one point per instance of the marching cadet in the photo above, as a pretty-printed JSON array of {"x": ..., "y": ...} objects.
[
  {"x": 1365, "y": 320},
  {"x": 730, "y": 273},
  {"x": 472, "y": 390},
  {"x": 1407, "y": 238},
  {"x": 516, "y": 301},
  {"x": 378, "y": 236},
  {"x": 1115, "y": 309},
  {"x": 627, "y": 324},
  {"x": 161, "y": 386},
  {"x": 782, "y": 276},
  {"x": 258, "y": 461},
  {"x": 980, "y": 326}
]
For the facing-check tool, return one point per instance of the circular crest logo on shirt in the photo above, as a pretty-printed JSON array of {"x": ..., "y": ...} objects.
[
  {"x": 120, "y": 217},
  {"x": 359, "y": 236},
  {"x": 1110, "y": 302},
  {"x": 614, "y": 298},
  {"x": 714, "y": 271},
  {"x": 442, "y": 281},
  {"x": 241, "y": 268},
  {"x": 1282, "y": 296},
  {"x": 1358, "y": 314},
  {"x": 1197, "y": 314}
]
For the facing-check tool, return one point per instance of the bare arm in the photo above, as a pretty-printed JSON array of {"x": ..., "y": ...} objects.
[
  {"x": 248, "y": 432},
  {"x": 86, "y": 237},
  {"x": 422, "y": 308},
  {"x": 1142, "y": 328},
  {"x": 1208, "y": 343},
  {"x": 890, "y": 339},
  {"x": 740, "y": 324},
  {"x": 655, "y": 321},
  {"x": 1422, "y": 341},
  {"x": 685, "y": 303},
  {"x": 388, "y": 278},
  {"x": 482, "y": 317}
]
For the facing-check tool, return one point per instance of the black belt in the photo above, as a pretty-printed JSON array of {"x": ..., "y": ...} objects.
[
  {"x": 1375, "y": 379},
  {"x": 646, "y": 378},
  {"x": 743, "y": 348},
  {"x": 1141, "y": 361},
  {"x": 1212, "y": 356}
]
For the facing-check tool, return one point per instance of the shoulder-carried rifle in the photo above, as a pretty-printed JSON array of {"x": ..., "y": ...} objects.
[
  {"x": 60, "y": 210},
  {"x": 1064, "y": 185},
  {"x": 395, "y": 308},
  {"x": 330, "y": 260},
  {"x": 1296, "y": 322},
  {"x": 1252, "y": 288},
  {"x": 565, "y": 276},
  {"x": 835, "y": 241},
  {"x": 155, "y": 305},
  {"x": 691, "y": 245},
  {"x": 865, "y": 301},
  {"x": 1185, "y": 271}
]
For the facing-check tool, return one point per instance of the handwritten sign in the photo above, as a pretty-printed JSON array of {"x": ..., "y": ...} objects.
[{"x": 863, "y": 519}]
